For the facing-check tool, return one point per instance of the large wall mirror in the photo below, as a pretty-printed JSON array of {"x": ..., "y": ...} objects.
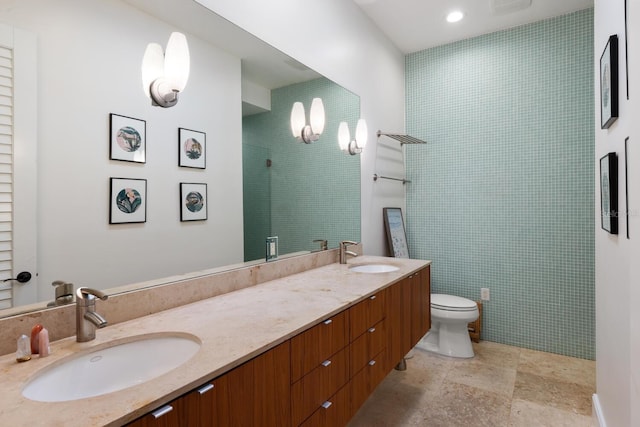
[{"x": 261, "y": 181}]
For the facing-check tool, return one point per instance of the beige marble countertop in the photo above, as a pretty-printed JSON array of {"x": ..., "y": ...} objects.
[{"x": 233, "y": 328}]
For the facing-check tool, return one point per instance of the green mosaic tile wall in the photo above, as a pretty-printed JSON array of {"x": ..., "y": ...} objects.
[
  {"x": 314, "y": 188},
  {"x": 502, "y": 196}
]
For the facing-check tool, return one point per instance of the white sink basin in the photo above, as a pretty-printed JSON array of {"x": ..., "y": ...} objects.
[
  {"x": 111, "y": 367},
  {"x": 373, "y": 268}
]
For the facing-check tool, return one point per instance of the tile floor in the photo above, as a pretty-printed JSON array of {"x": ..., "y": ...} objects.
[{"x": 500, "y": 386}]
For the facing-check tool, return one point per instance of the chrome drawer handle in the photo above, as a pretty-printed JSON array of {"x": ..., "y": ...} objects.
[
  {"x": 372, "y": 362},
  {"x": 206, "y": 388},
  {"x": 162, "y": 411},
  {"x": 372, "y": 297},
  {"x": 326, "y": 404},
  {"x": 326, "y": 363},
  {"x": 328, "y": 321},
  {"x": 372, "y": 330}
]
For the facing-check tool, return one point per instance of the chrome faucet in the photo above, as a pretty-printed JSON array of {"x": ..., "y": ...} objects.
[
  {"x": 344, "y": 252},
  {"x": 324, "y": 244},
  {"x": 87, "y": 319}
]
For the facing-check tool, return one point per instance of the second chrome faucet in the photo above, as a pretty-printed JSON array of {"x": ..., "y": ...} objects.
[
  {"x": 344, "y": 252},
  {"x": 87, "y": 319}
]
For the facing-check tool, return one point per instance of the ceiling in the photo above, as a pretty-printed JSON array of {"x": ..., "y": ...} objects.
[{"x": 414, "y": 25}]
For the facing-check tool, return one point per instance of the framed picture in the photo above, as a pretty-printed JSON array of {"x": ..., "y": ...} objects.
[
  {"x": 626, "y": 180},
  {"x": 128, "y": 200},
  {"x": 128, "y": 139},
  {"x": 192, "y": 147},
  {"x": 396, "y": 235},
  {"x": 609, "y": 192},
  {"x": 609, "y": 83},
  {"x": 193, "y": 201}
]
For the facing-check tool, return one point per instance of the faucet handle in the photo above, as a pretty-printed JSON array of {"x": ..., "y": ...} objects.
[{"x": 89, "y": 293}]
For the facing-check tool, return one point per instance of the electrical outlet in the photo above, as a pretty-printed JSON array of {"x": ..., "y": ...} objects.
[
  {"x": 272, "y": 248},
  {"x": 484, "y": 294}
]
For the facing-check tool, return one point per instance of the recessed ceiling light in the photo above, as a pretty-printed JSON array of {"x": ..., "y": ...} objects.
[{"x": 455, "y": 16}]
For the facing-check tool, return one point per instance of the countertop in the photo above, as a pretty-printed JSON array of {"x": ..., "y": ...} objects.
[{"x": 233, "y": 328}]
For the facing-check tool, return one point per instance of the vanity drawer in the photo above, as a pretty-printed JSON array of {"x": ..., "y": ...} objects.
[
  {"x": 334, "y": 412},
  {"x": 367, "y": 345},
  {"x": 367, "y": 313},
  {"x": 365, "y": 381},
  {"x": 315, "y": 345},
  {"x": 309, "y": 393}
]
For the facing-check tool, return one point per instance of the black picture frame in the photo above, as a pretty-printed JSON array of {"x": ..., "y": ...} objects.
[
  {"x": 609, "y": 83},
  {"x": 127, "y": 139},
  {"x": 192, "y": 148},
  {"x": 193, "y": 201},
  {"x": 609, "y": 193},
  {"x": 626, "y": 182},
  {"x": 127, "y": 200},
  {"x": 395, "y": 231}
]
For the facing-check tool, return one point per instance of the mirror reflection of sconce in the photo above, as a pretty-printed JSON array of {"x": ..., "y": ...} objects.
[
  {"x": 165, "y": 74},
  {"x": 356, "y": 145},
  {"x": 304, "y": 132}
]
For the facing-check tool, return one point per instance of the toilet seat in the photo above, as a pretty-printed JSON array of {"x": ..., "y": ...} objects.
[{"x": 452, "y": 303}]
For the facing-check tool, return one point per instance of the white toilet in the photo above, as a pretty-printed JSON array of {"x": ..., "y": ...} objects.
[{"x": 449, "y": 334}]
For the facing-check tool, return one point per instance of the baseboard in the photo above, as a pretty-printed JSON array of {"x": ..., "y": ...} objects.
[{"x": 597, "y": 412}]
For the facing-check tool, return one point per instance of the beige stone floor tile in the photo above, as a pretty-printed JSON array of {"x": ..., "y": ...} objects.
[
  {"x": 530, "y": 414},
  {"x": 459, "y": 405},
  {"x": 555, "y": 393},
  {"x": 556, "y": 366},
  {"x": 492, "y": 353},
  {"x": 485, "y": 376}
]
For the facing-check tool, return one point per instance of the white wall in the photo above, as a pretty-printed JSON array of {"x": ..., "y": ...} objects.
[
  {"x": 617, "y": 269},
  {"x": 89, "y": 56},
  {"x": 336, "y": 39}
]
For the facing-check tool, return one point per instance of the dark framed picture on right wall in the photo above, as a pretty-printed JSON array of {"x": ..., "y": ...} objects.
[
  {"x": 609, "y": 83},
  {"x": 609, "y": 192}
]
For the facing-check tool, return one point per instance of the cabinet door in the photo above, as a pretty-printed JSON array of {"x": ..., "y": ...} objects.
[
  {"x": 259, "y": 390},
  {"x": 426, "y": 299},
  {"x": 165, "y": 416},
  {"x": 334, "y": 411},
  {"x": 399, "y": 324},
  {"x": 206, "y": 406},
  {"x": 366, "y": 314}
]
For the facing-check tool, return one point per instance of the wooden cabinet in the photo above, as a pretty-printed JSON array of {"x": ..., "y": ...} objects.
[
  {"x": 321, "y": 376},
  {"x": 257, "y": 393}
]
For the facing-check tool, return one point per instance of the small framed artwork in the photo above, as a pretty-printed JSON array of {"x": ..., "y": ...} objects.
[
  {"x": 192, "y": 147},
  {"x": 128, "y": 139},
  {"x": 609, "y": 192},
  {"x": 193, "y": 201},
  {"x": 396, "y": 235},
  {"x": 609, "y": 83},
  {"x": 626, "y": 181},
  {"x": 128, "y": 201}
]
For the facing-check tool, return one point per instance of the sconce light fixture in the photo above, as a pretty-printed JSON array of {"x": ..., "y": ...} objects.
[
  {"x": 356, "y": 145},
  {"x": 304, "y": 132},
  {"x": 165, "y": 74}
]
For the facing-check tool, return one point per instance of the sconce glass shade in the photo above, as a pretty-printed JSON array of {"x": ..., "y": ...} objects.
[
  {"x": 164, "y": 75},
  {"x": 298, "y": 120},
  {"x": 362, "y": 133},
  {"x": 344, "y": 136},
  {"x": 316, "y": 116},
  {"x": 177, "y": 61},
  {"x": 152, "y": 66}
]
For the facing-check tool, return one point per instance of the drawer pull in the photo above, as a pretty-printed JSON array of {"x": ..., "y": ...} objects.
[
  {"x": 372, "y": 297},
  {"x": 372, "y": 362},
  {"x": 328, "y": 321},
  {"x": 326, "y": 404},
  {"x": 162, "y": 411},
  {"x": 205, "y": 388},
  {"x": 326, "y": 363},
  {"x": 372, "y": 330}
]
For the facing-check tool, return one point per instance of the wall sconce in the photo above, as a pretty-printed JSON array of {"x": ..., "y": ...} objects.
[
  {"x": 165, "y": 74},
  {"x": 344, "y": 137},
  {"x": 307, "y": 133}
]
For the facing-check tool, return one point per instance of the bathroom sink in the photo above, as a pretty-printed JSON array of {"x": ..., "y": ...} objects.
[
  {"x": 373, "y": 268},
  {"x": 111, "y": 367}
]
